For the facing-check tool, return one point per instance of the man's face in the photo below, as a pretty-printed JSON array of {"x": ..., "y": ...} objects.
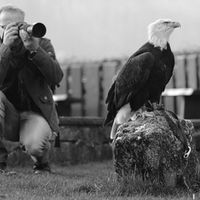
[{"x": 7, "y": 18}]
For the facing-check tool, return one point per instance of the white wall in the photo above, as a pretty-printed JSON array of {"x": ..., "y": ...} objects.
[{"x": 94, "y": 29}]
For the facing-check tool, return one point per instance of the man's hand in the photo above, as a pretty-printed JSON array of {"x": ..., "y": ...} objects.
[
  {"x": 11, "y": 36},
  {"x": 30, "y": 43}
]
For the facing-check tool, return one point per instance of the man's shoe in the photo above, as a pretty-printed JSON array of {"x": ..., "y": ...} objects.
[
  {"x": 39, "y": 168},
  {"x": 3, "y": 165},
  {"x": 3, "y": 170},
  {"x": 7, "y": 173}
]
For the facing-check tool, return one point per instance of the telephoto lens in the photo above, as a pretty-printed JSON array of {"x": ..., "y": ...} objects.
[{"x": 36, "y": 30}]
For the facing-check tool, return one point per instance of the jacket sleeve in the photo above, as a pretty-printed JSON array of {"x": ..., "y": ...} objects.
[
  {"x": 46, "y": 62},
  {"x": 5, "y": 57}
]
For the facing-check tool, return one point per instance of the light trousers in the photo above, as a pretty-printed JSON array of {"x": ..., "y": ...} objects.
[{"x": 30, "y": 129}]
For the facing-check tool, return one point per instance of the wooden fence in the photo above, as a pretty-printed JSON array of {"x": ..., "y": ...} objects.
[
  {"x": 86, "y": 84},
  {"x": 185, "y": 96}
]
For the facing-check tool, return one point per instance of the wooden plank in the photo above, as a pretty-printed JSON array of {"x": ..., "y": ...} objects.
[
  {"x": 179, "y": 72},
  {"x": 192, "y": 107},
  {"x": 76, "y": 92},
  {"x": 169, "y": 103},
  {"x": 186, "y": 72},
  {"x": 179, "y": 82},
  {"x": 101, "y": 105},
  {"x": 91, "y": 89},
  {"x": 197, "y": 65},
  {"x": 81, "y": 121},
  {"x": 192, "y": 78},
  {"x": 178, "y": 92}
]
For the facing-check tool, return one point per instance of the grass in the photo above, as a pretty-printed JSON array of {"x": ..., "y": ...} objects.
[{"x": 92, "y": 181}]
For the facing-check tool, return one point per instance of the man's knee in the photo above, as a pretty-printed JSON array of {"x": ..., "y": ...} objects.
[
  {"x": 33, "y": 150},
  {"x": 36, "y": 149},
  {"x": 35, "y": 134}
]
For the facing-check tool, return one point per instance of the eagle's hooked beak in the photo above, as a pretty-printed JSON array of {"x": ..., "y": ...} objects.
[{"x": 175, "y": 24}]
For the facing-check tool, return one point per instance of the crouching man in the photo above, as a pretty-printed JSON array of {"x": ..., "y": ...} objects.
[{"x": 28, "y": 71}]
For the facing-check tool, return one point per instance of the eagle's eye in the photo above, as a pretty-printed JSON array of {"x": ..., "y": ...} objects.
[{"x": 166, "y": 22}]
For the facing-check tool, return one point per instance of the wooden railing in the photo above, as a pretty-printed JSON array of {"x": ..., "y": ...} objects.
[
  {"x": 182, "y": 94},
  {"x": 86, "y": 84}
]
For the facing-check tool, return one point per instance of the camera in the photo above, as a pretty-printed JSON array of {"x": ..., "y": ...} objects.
[{"x": 36, "y": 30}]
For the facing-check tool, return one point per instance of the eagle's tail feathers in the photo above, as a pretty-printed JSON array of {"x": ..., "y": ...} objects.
[
  {"x": 109, "y": 118},
  {"x": 111, "y": 93}
]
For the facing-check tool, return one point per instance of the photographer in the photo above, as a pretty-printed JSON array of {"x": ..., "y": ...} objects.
[{"x": 28, "y": 71}]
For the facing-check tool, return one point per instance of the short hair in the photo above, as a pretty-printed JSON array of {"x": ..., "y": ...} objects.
[{"x": 12, "y": 9}]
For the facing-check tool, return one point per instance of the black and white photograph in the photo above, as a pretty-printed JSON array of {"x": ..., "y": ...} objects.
[{"x": 99, "y": 100}]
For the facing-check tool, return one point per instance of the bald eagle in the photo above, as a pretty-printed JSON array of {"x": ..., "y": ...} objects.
[{"x": 143, "y": 77}]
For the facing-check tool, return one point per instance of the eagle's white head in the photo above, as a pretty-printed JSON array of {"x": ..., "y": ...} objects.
[{"x": 159, "y": 32}]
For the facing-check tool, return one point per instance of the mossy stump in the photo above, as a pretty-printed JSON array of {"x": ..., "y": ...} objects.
[{"x": 152, "y": 146}]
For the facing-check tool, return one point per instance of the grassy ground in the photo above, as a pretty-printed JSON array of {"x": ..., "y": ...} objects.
[{"x": 93, "y": 181}]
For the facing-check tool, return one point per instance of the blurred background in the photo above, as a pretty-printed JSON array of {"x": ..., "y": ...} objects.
[
  {"x": 96, "y": 29},
  {"x": 93, "y": 39}
]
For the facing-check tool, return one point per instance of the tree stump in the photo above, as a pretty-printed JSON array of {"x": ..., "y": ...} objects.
[{"x": 152, "y": 146}]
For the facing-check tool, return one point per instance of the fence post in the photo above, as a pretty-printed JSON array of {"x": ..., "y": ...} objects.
[
  {"x": 101, "y": 89},
  {"x": 83, "y": 90},
  {"x": 197, "y": 71},
  {"x": 185, "y": 65}
]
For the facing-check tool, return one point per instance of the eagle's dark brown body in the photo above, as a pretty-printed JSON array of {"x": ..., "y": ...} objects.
[{"x": 143, "y": 78}]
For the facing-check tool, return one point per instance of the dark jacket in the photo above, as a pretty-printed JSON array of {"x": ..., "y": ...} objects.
[{"x": 38, "y": 75}]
